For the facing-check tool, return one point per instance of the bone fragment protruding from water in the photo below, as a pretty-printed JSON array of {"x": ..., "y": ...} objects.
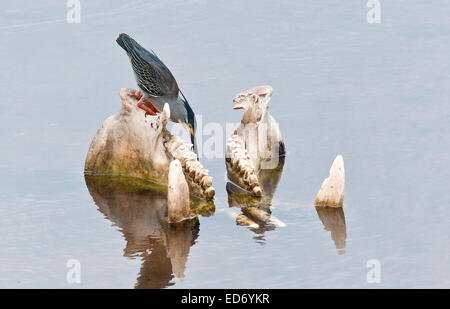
[
  {"x": 133, "y": 145},
  {"x": 258, "y": 129},
  {"x": 263, "y": 216},
  {"x": 178, "y": 199},
  {"x": 256, "y": 144},
  {"x": 243, "y": 220},
  {"x": 331, "y": 192}
]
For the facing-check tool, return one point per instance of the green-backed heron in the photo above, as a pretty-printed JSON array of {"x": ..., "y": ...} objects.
[{"x": 157, "y": 85}]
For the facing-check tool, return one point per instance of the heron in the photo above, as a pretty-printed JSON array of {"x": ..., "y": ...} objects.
[{"x": 157, "y": 85}]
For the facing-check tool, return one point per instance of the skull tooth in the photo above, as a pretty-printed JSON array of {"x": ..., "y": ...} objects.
[
  {"x": 257, "y": 191},
  {"x": 200, "y": 174},
  {"x": 206, "y": 182},
  {"x": 210, "y": 192}
]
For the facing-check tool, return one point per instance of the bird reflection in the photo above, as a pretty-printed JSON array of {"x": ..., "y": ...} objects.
[
  {"x": 140, "y": 213},
  {"x": 256, "y": 212},
  {"x": 333, "y": 220}
]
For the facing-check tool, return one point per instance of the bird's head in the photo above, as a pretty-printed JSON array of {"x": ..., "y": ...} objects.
[
  {"x": 128, "y": 43},
  {"x": 189, "y": 119}
]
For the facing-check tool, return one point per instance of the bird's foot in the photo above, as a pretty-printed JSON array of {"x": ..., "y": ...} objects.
[
  {"x": 148, "y": 107},
  {"x": 148, "y": 110}
]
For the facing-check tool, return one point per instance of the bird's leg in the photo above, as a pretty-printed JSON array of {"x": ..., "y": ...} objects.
[
  {"x": 148, "y": 111},
  {"x": 153, "y": 107},
  {"x": 145, "y": 104}
]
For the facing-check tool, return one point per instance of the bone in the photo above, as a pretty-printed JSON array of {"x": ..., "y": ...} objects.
[
  {"x": 256, "y": 144},
  {"x": 331, "y": 192},
  {"x": 246, "y": 221},
  {"x": 241, "y": 219},
  {"x": 264, "y": 216},
  {"x": 206, "y": 182},
  {"x": 258, "y": 129},
  {"x": 194, "y": 170},
  {"x": 178, "y": 200},
  {"x": 242, "y": 171},
  {"x": 209, "y": 193},
  {"x": 130, "y": 144}
]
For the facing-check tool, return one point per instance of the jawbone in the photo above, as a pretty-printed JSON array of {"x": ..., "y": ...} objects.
[
  {"x": 130, "y": 144},
  {"x": 255, "y": 160},
  {"x": 257, "y": 143}
]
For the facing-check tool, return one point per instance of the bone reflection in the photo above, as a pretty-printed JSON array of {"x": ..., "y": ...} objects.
[
  {"x": 140, "y": 213},
  {"x": 333, "y": 220}
]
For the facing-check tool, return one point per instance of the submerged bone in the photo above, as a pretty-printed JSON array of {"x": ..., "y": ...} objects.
[
  {"x": 331, "y": 192},
  {"x": 241, "y": 219},
  {"x": 263, "y": 215},
  {"x": 178, "y": 201},
  {"x": 130, "y": 144},
  {"x": 246, "y": 221}
]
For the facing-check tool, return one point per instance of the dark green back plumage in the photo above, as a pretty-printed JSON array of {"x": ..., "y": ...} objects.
[{"x": 152, "y": 75}]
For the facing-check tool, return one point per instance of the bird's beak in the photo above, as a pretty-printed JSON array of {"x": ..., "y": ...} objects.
[{"x": 188, "y": 128}]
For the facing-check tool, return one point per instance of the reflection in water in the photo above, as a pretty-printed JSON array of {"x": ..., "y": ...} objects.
[
  {"x": 333, "y": 220},
  {"x": 140, "y": 212},
  {"x": 257, "y": 209}
]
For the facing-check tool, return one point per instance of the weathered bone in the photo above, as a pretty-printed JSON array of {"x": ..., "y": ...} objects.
[
  {"x": 258, "y": 129},
  {"x": 178, "y": 201},
  {"x": 242, "y": 219},
  {"x": 254, "y": 150},
  {"x": 257, "y": 143},
  {"x": 243, "y": 172},
  {"x": 130, "y": 144},
  {"x": 263, "y": 215},
  {"x": 198, "y": 177},
  {"x": 331, "y": 192}
]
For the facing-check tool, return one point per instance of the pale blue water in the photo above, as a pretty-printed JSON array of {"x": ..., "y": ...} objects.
[{"x": 376, "y": 93}]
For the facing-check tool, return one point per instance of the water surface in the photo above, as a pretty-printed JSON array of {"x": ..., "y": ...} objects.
[{"x": 376, "y": 93}]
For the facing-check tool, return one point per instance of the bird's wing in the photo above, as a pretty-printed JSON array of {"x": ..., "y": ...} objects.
[{"x": 153, "y": 76}]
